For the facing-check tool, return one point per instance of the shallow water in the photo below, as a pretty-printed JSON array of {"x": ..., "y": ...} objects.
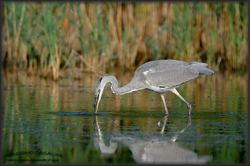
[{"x": 49, "y": 122}]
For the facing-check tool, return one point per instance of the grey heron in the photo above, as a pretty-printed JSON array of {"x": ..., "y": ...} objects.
[{"x": 159, "y": 76}]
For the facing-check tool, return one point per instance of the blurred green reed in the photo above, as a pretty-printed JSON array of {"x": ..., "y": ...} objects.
[{"x": 50, "y": 38}]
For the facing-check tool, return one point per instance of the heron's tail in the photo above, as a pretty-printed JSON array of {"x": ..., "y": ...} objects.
[{"x": 201, "y": 67}]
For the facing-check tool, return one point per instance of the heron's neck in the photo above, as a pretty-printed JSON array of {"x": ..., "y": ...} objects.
[{"x": 122, "y": 90}]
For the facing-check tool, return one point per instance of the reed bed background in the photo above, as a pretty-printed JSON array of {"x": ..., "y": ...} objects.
[{"x": 60, "y": 39}]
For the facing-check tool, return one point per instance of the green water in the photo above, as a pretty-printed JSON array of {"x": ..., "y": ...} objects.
[{"x": 48, "y": 122}]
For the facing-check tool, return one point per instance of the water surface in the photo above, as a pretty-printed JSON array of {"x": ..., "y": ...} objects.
[{"x": 49, "y": 122}]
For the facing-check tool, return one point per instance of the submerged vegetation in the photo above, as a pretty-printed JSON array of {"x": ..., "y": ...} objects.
[{"x": 51, "y": 39}]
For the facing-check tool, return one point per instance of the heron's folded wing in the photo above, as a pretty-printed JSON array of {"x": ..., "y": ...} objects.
[{"x": 171, "y": 77}]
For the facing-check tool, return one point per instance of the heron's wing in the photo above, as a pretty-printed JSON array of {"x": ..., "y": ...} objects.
[{"x": 171, "y": 77}]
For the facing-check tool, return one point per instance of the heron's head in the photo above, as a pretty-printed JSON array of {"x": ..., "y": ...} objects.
[{"x": 98, "y": 89}]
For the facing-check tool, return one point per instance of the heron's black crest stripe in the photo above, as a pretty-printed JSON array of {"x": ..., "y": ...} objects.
[
  {"x": 162, "y": 87},
  {"x": 100, "y": 79}
]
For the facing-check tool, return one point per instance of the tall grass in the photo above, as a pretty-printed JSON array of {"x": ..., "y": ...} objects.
[{"x": 59, "y": 37}]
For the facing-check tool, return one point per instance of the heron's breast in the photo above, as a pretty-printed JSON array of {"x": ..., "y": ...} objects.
[{"x": 158, "y": 90}]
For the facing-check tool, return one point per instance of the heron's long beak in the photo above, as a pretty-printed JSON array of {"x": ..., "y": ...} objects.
[{"x": 98, "y": 96}]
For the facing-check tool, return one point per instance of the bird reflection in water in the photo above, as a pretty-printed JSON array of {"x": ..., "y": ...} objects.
[{"x": 154, "y": 150}]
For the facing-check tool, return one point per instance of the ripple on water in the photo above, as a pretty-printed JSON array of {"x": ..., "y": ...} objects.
[{"x": 80, "y": 114}]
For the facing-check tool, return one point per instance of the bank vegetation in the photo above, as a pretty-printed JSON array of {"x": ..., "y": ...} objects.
[{"x": 58, "y": 39}]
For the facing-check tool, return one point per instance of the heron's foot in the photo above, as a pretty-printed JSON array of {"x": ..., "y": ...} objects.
[
  {"x": 166, "y": 112},
  {"x": 189, "y": 108},
  {"x": 189, "y": 120}
]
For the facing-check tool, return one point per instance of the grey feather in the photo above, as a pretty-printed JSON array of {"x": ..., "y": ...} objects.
[
  {"x": 159, "y": 76},
  {"x": 201, "y": 68}
]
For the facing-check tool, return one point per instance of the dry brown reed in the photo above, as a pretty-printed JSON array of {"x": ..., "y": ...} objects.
[{"x": 58, "y": 37}]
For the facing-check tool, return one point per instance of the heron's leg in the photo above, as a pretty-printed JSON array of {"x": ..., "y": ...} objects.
[
  {"x": 165, "y": 106},
  {"x": 188, "y": 105},
  {"x": 188, "y": 124},
  {"x": 164, "y": 124}
]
